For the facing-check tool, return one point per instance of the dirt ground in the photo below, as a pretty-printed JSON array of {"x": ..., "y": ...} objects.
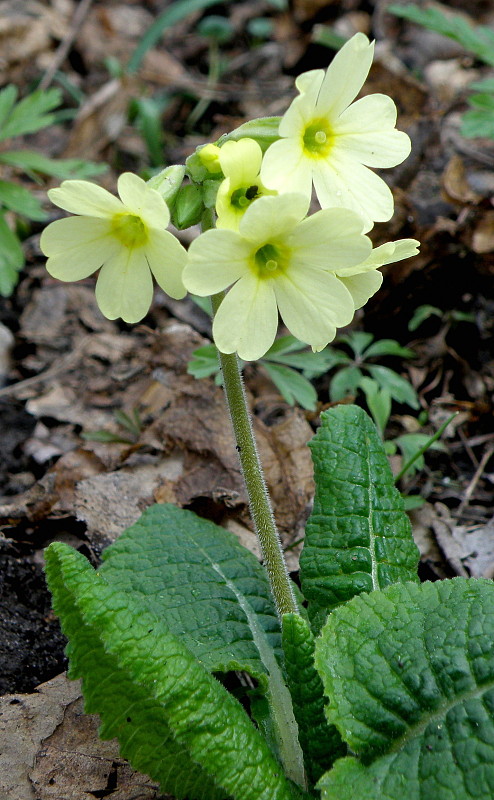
[{"x": 65, "y": 370}]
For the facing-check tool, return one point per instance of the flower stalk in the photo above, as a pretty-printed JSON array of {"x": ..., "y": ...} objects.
[{"x": 259, "y": 502}]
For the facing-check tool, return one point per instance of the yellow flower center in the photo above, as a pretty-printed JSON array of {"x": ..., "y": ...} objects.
[
  {"x": 270, "y": 260},
  {"x": 129, "y": 229},
  {"x": 318, "y": 139}
]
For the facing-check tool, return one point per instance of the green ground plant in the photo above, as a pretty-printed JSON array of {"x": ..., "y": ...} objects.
[
  {"x": 17, "y": 118},
  {"x": 477, "y": 40},
  {"x": 400, "y": 694}
]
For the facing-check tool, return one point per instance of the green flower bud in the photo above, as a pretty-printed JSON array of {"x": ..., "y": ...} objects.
[{"x": 188, "y": 207}]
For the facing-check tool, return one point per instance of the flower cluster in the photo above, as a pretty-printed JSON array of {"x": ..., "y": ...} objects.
[{"x": 314, "y": 271}]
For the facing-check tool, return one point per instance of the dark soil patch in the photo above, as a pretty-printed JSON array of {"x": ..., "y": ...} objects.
[{"x": 31, "y": 644}]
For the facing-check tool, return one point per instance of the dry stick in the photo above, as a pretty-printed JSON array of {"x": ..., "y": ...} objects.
[
  {"x": 61, "y": 53},
  {"x": 473, "y": 483},
  {"x": 62, "y": 365}
]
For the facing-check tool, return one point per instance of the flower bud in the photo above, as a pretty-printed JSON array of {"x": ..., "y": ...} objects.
[{"x": 188, "y": 207}]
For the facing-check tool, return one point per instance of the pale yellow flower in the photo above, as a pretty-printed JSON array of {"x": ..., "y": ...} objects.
[
  {"x": 329, "y": 141},
  {"x": 363, "y": 280},
  {"x": 240, "y": 163},
  {"x": 278, "y": 260},
  {"x": 126, "y": 237}
]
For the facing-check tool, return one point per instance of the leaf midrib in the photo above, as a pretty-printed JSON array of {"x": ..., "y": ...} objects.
[{"x": 438, "y": 714}]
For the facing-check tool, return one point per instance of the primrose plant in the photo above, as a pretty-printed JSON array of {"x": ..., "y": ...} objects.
[{"x": 369, "y": 684}]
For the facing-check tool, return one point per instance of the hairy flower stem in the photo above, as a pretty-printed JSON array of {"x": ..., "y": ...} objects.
[{"x": 259, "y": 502}]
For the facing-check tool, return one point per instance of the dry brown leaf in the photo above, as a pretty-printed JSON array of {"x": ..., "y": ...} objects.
[
  {"x": 49, "y": 750},
  {"x": 110, "y": 502},
  {"x": 24, "y": 33},
  {"x": 469, "y": 549},
  {"x": 483, "y": 234},
  {"x": 455, "y": 183},
  {"x": 423, "y": 535}
]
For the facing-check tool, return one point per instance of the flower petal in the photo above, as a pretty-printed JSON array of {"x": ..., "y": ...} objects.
[
  {"x": 132, "y": 190},
  {"x": 330, "y": 239},
  {"x": 362, "y": 286},
  {"x": 216, "y": 259},
  {"x": 229, "y": 216},
  {"x": 77, "y": 247},
  {"x": 386, "y": 253},
  {"x": 313, "y": 304},
  {"x": 365, "y": 131},
  {"x": 241, "y": 161},
  {"x": 345, "y": 76},
  {"x": 167, "y": 258},
  {"x": 143, "y": 201},
  {"x": 345, "y": 183},
  {"x": 286, "y": 168},
  {"x": 88, "y": 199},
  {"x": 309, "y": 83},
  {"x": 247, "y": 319},
  {"x": 270, "y": 218},
  {"x": 64, "y": 234},
  {"x": 125, "y": 286}
]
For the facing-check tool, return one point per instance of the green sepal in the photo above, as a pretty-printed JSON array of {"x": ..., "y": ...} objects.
[
  {"x": 321, "y": 743},
  {"x": 358, "y": 537},
  {"x": 409, "y": 673},
  {"x": 174, "y": 720}
]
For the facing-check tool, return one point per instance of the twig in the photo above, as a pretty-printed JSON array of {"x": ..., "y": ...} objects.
[
  {"x": 60, "y": 366},
  {"x": 61, "y": 53}
]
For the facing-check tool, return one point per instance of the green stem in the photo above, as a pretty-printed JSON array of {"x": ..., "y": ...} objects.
[{"x": 259, "y": 502}]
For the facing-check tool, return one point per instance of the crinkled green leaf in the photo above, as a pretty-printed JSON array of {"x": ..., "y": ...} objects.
[
  {"x": 215, "y": 596},
  {"x": 321, "y": 743},
  {"x": 410, "y": 676},
  {"x": 358, "y": 537},
  {"x": 173, "y": 719},
  {"x": 212, "y": 592}
]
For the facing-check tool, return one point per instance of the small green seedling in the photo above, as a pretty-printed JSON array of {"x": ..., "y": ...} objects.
[
  {"x": 477, "y": 40},
  {"x": 18, "y": 118}
]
